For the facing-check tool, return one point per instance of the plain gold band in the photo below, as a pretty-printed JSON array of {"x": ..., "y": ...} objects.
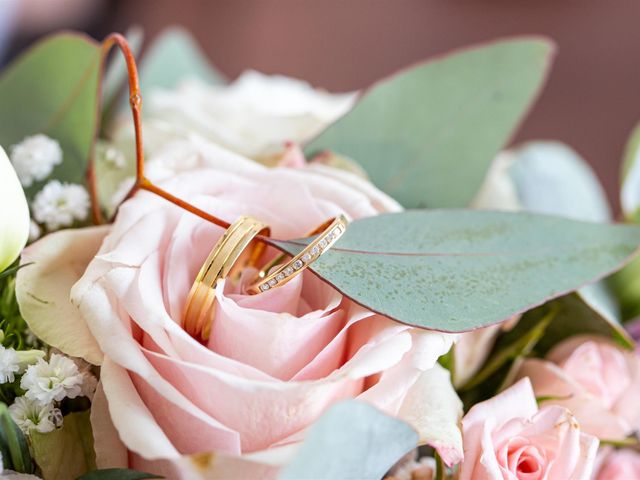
[
  {"x": 331, "y": 231},
  {"x": 229, "y": 255}
]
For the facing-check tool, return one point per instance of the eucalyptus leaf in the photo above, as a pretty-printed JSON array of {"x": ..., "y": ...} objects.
[
  {"x": 549, "y": 177},
  {"x": 457, "y": 270},
  {"x": 546, "y": 177},
  {"x": 630, "y": 188},
  {"x": 117, "y": 474},
  {"x": 173, "y": 56},
  {"x": 66, "y": 452},
  {"x": 427, "y": 135},
  {"x": 53, "y": 89},
  {"x": 352, "y": 440}
]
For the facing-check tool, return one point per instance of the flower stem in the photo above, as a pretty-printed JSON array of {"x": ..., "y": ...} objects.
[{"x": 135, "y": 102}]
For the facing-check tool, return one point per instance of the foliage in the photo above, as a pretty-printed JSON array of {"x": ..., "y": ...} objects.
[{"x": 427, "y": 135}]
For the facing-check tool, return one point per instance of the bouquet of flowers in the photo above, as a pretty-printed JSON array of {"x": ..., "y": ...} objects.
[{"x": 259, "y": 279}]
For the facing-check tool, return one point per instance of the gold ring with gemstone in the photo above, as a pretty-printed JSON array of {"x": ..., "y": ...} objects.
[
  {"x": 329, "y": 233},
  {"x": 229, "y": 255}
]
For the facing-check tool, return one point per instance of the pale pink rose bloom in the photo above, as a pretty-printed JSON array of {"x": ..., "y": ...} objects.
[
  {"x": 593, "y": 377},
  {"x": 507, "y": 437},
  {"x": 620, "y": 465},
  {"x": 275, "y": 361}
]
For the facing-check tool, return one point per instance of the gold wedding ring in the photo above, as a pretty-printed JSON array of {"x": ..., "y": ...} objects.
[
  {"x": 229, "y": 256},
  {"x": 330, "y": 232}
]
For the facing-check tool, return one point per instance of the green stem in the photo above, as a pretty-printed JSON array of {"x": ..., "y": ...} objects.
[{"x": 522, "y": 347}]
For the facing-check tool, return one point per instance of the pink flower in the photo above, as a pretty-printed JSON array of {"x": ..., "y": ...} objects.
[
  {"x": 274, "y": 361},
  {"x": 507, "y": 437},
  {"x": 594, "y": 378},
  {"x": 620, "y": 465}
]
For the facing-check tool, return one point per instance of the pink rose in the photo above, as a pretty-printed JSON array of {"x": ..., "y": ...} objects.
[
  {"x": 594, "y": 378},
  {"x": 274, "y": 361},
  {"x": 507, "y": 437},
  {"x": 620, "y": 465}
]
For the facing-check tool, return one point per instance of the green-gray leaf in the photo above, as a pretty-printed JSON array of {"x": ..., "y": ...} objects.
[
  {"x": 53, "y": 89},
  {"x": 427, "y": 135},
  {"x": 172, "y": 56},
  {"x": 551, "y": 178},
  {"x": 351, "y": 441},
  {"x": 456, "y": 270}
]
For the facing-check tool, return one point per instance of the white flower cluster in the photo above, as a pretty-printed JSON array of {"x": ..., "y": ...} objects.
[
  {"x": 57, "y": 204},
  {"x": 45, "y": 384},
  {"x": 9, "y": 364},
  {"x": 60, "y": 204},
  {"x": 34, "y": 158}
]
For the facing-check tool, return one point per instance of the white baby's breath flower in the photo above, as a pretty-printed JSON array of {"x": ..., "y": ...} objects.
[
  {"x": 60, "y": 204},
  {"x": 34, "y": 231},
  {"x": 114, "y": 157},
  {"x": 9, "y": 364},
  {"x": 32, "y": 415},
  {"x": 51, "y": 381},
  {"x": 34, "y": 158}
]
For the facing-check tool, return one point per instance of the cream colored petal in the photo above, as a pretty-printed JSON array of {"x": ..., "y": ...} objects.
[
  {"x": 434, "y": 409},
  {"x": 42, "y": 289}
]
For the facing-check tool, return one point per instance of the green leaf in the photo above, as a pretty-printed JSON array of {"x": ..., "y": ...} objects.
[
  {"x": 66, "y": 452},
  {"x": 117, "y": 474},
  {"x": 630, "y": 188},
  {"x": 14, "y": 443},
  {"x": 351, "y": 440},
  {"x": 173, "y": 56},
  {"x": 427, "y": 135},
  {"x": 53, "y": 89},
  {"x": 456, "y": 270},
  {"x": 625, "y": 285}
]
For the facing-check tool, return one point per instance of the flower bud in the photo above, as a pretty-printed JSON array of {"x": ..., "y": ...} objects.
[
  {"x": 28, "y": 357},
  {"x": 14, "y": 214}
]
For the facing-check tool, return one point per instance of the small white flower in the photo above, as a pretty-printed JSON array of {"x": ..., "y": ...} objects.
[
  {"x": 60, "y": 204},
  {"x": 31, "y": 415},
  {"x": 34, "y": 158},
  {"x": 51, "y": 381},
  {"x": 9, "y": 364},
  {"x": 110, "y": 155},
  {"x": 34, "y": 231}
]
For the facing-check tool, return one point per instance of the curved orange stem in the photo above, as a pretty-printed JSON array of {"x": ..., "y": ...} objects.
[{"x": 135, "y": 102}]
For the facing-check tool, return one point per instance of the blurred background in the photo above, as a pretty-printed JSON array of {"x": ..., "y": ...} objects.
[{"x": 591, "y": 102}]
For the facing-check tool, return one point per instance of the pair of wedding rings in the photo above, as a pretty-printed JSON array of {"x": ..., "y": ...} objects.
[{"x": 238, "y": 248}]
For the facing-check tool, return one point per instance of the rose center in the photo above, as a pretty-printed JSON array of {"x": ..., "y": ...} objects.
[{"x": 523, "y": 460}]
